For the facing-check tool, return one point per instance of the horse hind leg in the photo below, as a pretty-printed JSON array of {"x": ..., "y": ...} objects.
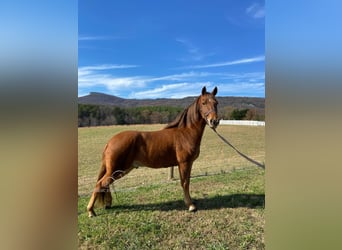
[
  {"x": 94, "y": 195},
  {"x": 108, "y": 199},
  {"x": 101, "y": 195},
  {"x": 93, "y": 198}
]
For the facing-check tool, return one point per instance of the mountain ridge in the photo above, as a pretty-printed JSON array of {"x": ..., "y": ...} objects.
[{"x": 97, "y": 98}]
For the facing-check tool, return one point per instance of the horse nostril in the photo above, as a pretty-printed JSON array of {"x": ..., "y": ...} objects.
[{"x": 213, "y": 122}]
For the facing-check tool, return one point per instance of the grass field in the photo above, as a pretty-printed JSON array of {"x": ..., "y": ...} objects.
[{"x": 148, "y": 210}]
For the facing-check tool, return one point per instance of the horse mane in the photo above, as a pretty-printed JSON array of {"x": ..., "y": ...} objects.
[{"x": 186, "y": 118}]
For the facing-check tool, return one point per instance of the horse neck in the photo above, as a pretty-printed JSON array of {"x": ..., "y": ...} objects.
[
  {"x": 191, "y": 119},
  {"x": 198, "y": 131},
  {"x": 195, "y": 122}
]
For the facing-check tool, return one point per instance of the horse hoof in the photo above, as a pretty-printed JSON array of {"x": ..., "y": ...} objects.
[
  {"x": 192, "y": 208},
  {"x": 91, "y": 214}
]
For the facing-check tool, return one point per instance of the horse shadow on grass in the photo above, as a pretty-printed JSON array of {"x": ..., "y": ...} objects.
[{"x": 221, "y": 201}]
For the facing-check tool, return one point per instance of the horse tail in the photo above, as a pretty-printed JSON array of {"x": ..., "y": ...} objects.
[
  {"x": 102, "y": 171},
  {"x": 100, "y": 200},
  {"x": 103, "y": 165}
]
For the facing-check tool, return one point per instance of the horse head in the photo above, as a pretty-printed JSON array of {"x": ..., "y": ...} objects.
[{"x": 208, "y": 107}]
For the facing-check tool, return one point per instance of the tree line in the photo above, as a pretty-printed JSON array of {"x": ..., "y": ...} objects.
[{"x": 101, "y": 115}]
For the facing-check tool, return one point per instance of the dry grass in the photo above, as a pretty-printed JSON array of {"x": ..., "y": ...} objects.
[{"x": 149, "y": 212}]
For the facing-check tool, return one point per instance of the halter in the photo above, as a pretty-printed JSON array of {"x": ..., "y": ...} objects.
[{"x": 207, "y": 113}]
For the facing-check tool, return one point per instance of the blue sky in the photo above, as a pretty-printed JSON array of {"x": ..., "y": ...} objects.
[{"x": 155, "y": 49}]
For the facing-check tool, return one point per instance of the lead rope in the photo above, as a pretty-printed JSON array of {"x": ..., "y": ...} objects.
[{"x": 243, "y": 155}]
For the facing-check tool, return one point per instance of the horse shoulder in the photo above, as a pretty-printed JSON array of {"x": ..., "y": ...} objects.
[{"x": 186, "y": 147}]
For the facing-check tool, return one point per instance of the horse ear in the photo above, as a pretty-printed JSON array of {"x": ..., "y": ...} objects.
[
  {"x": 214, "y": 91},
  {"x": 204, "y": 90}
]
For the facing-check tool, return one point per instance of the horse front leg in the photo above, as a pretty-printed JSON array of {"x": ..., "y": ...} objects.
[{"x": 184, "y": 173}]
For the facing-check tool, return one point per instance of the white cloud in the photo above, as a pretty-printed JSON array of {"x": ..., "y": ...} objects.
[
  {"x": 110, "y": 82},
  {"x": 92, "y": 38},
  {"x": 106, "y": 67},
  {"x": 89, "y": 76},
  {"x": 251, "y": 76},
  {"x": 228, "y": 63},
  {"x": 246, "y": 88},
  {"x": 182, "y": 76},
  {"x": 88, "y": 38},
  {"x": 185, "y": 89},
  {"x": 189, "y": 46},
  {"x": 171, "y": 86},
  {"x": 256, "y": 10},
  {"x": 178, "y": 90},
  {"x": 194, "y": 53},
  {"x": 157, "y": 92}
]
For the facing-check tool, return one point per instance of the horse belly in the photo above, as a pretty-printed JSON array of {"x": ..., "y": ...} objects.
[
  {"x": 155, "y": 150},
  {"x": 157, "y": 157},
  {"x": 160, "y": 161}
]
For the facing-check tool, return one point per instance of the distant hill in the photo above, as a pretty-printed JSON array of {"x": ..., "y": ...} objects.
[{"x": 236, "y": 102}]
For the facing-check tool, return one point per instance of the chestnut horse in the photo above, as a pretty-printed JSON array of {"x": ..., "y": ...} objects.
[{"x": 177, "y": 144}]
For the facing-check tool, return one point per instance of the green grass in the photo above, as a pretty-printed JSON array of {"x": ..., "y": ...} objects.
[{"x": 148, "y": 210}]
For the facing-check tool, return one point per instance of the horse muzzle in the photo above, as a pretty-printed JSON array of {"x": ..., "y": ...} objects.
[
  {"x": 213, "y": 123},
  {"x": 211, "y": 119}
]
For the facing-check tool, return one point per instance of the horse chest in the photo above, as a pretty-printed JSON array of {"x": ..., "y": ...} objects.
[{"x": 187, "y": 151}]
